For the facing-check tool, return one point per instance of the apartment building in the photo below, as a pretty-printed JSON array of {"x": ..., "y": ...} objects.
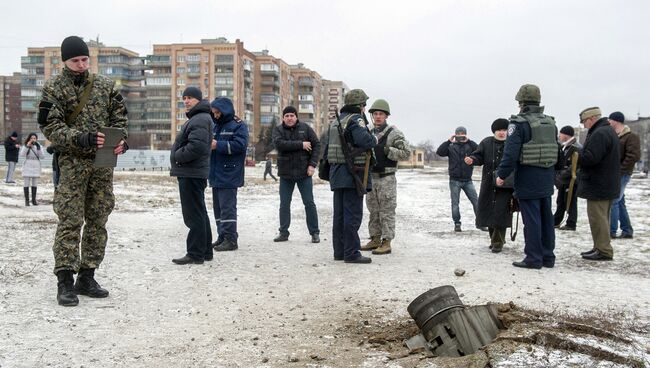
[
  {"x": 10, "y": 111},
  {"x": 274, "y": 90},
  {"x": 333, "y": 93},
  {"x": 308, "y": 95},
  {"x": 125, "y": 67},
  {"x": 217, "y": 67}
]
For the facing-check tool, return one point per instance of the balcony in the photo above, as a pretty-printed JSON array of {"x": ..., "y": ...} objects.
[
  {"x": 306, "y": 110},
  {"x": 305, "y": 82},
  {"x": 271, "y": 82}
]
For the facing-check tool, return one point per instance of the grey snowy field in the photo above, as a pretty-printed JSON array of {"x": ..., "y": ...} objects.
[{"x": 291, "y": 305}]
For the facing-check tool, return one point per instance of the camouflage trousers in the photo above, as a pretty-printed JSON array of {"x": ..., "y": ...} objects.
[
  {"x": 381, "y": 203},
  {"x": 84, "y": 198}
]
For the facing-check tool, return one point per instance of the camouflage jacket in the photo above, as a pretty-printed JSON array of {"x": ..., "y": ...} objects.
[
  {"x": 394, "y": 147},
  {"x": 61, "y": 94}
]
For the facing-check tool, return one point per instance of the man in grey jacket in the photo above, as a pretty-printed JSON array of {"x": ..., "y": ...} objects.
[{"x": 190, "y": 163}]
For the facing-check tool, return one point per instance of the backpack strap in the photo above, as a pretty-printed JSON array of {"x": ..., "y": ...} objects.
[{"x": 84, "y": 99}]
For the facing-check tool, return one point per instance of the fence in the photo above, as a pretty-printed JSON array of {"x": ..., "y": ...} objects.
[{"x": 132, "y": 160}]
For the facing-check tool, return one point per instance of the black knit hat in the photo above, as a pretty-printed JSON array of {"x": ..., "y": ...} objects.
[
  {"x": 193, "y": 92},
  {"x": 73, "y": 46},
  {"x": 14, "y": 134},
  {"x": 568, "y": 130},
  {"x": 500, "y": 124},
  {"x": 289, "y": 110},
  {"x": 617, "y": 116}
]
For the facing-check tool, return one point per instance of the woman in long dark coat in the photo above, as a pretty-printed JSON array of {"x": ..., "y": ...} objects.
[{"x": 493, "y": 202}]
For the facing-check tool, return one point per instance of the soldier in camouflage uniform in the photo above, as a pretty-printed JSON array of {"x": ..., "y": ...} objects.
[
  {"x": 382, "y": 201},
  {"x": 84, "y": 196}
]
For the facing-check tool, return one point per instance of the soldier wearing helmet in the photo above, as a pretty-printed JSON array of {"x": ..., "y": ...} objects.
[
  {"x": 348, "y": 204},
  {"x": 532, "y": 152},
  {"x": 381, "y": 202}
]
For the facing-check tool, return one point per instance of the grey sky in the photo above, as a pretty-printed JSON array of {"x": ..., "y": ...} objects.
[{"x": 439, "y": 64}]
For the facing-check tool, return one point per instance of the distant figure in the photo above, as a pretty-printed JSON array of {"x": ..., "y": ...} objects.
[
  {"x": 382, "y": 200},
  {"x": 298, "y": 150},
  {"x": 457, "y": 147},
  {"x": 493, "y": 201},
  {"x": 532, "y": 152},
  {"x": 56, "y": 173},
  {"x": 229, "y": 142},
  {"x": 599, "y": 179},
  {"x": 190, "y": 164},
  {"x": 629, "y": 155},
  {"x": 563, "y": 179},
  {"x": 32, "y": 153},
  {"x": 268, "y": 168},
  {"x": 84, "y": 197},
  {"x": 12, "y": 146}
]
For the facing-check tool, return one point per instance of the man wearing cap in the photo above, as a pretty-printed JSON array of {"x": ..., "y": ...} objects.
[
  {"x": 84, "y": 197},
  {"x": 532, "y": 153},
  {"x": 563, "y": 179},
  {"x": 630, "y": 153},
  {"x": 382, "y": 200},
  {"x": 12, "y": 147},
  {"x": 298, "y": 152},
  {"x": 457, "y": 147},
  {"x": 229, "y": 143},
  {"x": 190, "y": 164},
  {"x": 599, "y": 181},
  {"x": 348, "y": 203}
]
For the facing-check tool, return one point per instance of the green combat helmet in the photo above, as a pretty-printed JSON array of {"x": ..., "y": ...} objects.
[
  {"x": 529, "y": 93},
  {"x": 355, "y": 97},
  {"x": 380, "y": 105}
]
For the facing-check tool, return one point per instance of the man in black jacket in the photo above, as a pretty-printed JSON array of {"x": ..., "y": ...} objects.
[
  {"x": 563, "y": 179},
  {"x": 12, "y": 147},
  {"x": 298, "y": 149},
  {"x": 599, "y": 181},
  {"x": 190, "y": 163},
  {"x": 460, "y": 175}
]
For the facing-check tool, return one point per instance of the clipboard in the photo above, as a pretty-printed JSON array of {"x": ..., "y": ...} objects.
[{"x": 104, "y": 157}]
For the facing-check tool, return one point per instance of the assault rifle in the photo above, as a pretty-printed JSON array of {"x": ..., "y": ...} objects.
[{"x": 348, "y": 154}]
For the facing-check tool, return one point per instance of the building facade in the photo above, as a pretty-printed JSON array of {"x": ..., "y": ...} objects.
[
  {"x": 10, "y": 108},
  {"x": 308, "y": 95},
  {"x": 333, "y": 92}
]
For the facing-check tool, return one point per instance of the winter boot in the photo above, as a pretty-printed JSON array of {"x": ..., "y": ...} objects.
[
  {"x": 86, "y": 284},
  {"x": 26, "y": 190},
  {"x": 65, "y": 294},
  {"x": 384, "y": 248},
  {"x": 374, "y": 243},
  {"x": 227, "y": 245},
  {"x": 34, "y": 196}
]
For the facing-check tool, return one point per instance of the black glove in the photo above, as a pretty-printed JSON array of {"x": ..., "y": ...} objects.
[{"x": 87, "y": 140}]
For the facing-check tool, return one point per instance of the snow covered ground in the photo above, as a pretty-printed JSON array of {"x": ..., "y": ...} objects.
[{"x": 290, "y": 304}]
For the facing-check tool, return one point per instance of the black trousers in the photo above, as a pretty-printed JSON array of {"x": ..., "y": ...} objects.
[
  {"x": 561, "y": 206},
  {"x": 195, "y": 216}
]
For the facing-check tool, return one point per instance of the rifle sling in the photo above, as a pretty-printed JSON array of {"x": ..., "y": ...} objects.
[{"x": 85, "y": 95}]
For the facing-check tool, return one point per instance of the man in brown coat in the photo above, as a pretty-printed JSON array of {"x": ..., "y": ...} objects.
[{"x": 630, "y": 154}]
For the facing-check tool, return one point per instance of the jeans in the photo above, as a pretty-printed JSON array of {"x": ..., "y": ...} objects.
[
  {"x": 468, "y": 187},
  {"x": 10, "y": 172},
  {"x": 195, "y": 217},
  {"x": 619, "y": 211},
  {"x": 305, "y": 187}
]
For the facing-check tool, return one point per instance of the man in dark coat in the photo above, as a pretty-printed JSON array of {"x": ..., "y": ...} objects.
[
  {"x": 298, "y": 151},
  {"x": 563, "y": 179},
  {"x": 12, "y": 147},
  {"x": 190, "y": 163},
  {"x": 460, "y": 175},
  {"x": 268, "y": 168},
  {"x": 599, "y": 181},
  {"x": 348, "y": 202},
  {"x": 493, "y": 202}
]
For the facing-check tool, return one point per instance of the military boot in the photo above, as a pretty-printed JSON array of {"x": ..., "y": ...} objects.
[
  {"x": 384, "y": 248},
  {"x": 34, "y": 196},
  {"x": 26, "y": 191},
  {"x": 86, "y": 284},
  {"x": 65, "y": 294},
  {"x": 374, "y": 243}
]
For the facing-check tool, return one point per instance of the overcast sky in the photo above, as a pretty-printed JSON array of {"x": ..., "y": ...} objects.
[{"x": 438, "y": 63}]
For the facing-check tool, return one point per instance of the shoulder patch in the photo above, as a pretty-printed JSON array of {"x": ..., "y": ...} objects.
[
  {"x": 511, "y": 129},
  {"x": 361, "y": 122}
]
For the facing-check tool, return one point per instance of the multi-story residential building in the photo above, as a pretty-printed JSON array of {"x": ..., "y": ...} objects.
[
  {"x": 333, "y": 92},
  {"x": 217, "y": 67},
  {"x": 274, "y": 90},
  {"x": 10, "y": 111},
  {"x": 308, "y": 94},
  {"x": 124, "y": 66}
]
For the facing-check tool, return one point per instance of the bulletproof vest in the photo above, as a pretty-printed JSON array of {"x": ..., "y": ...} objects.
[
  {"x": 542, "y": 148},
  {"x": 334, "y": 151},
  {"x": 382, "y": 160}
]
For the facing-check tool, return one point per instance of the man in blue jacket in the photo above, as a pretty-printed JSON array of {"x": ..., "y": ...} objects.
[
  {"x": 190, "y": 163},
  {"x": 348, "y": 203},
  {"x": 532, "y": 152},
  {"x": 460, "y": 175},
  {"x": 230, "y": 139}
]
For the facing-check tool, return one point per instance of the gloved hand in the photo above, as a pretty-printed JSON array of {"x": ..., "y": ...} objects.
[{"x": 87, "y": 140}]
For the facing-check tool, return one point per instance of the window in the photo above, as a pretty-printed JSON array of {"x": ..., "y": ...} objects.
[
  {"x": 193, "y": 57},
  {"x": 181, "y": 115},
  {"x": 180, "y": 70},
  {"x": 180, "y": 81},
  {"x": 193, "y": 68},
  {"x": 180, "y": 58},
  {"x": 225, "y": 59},
  {"x": 159, "y": 81}
]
